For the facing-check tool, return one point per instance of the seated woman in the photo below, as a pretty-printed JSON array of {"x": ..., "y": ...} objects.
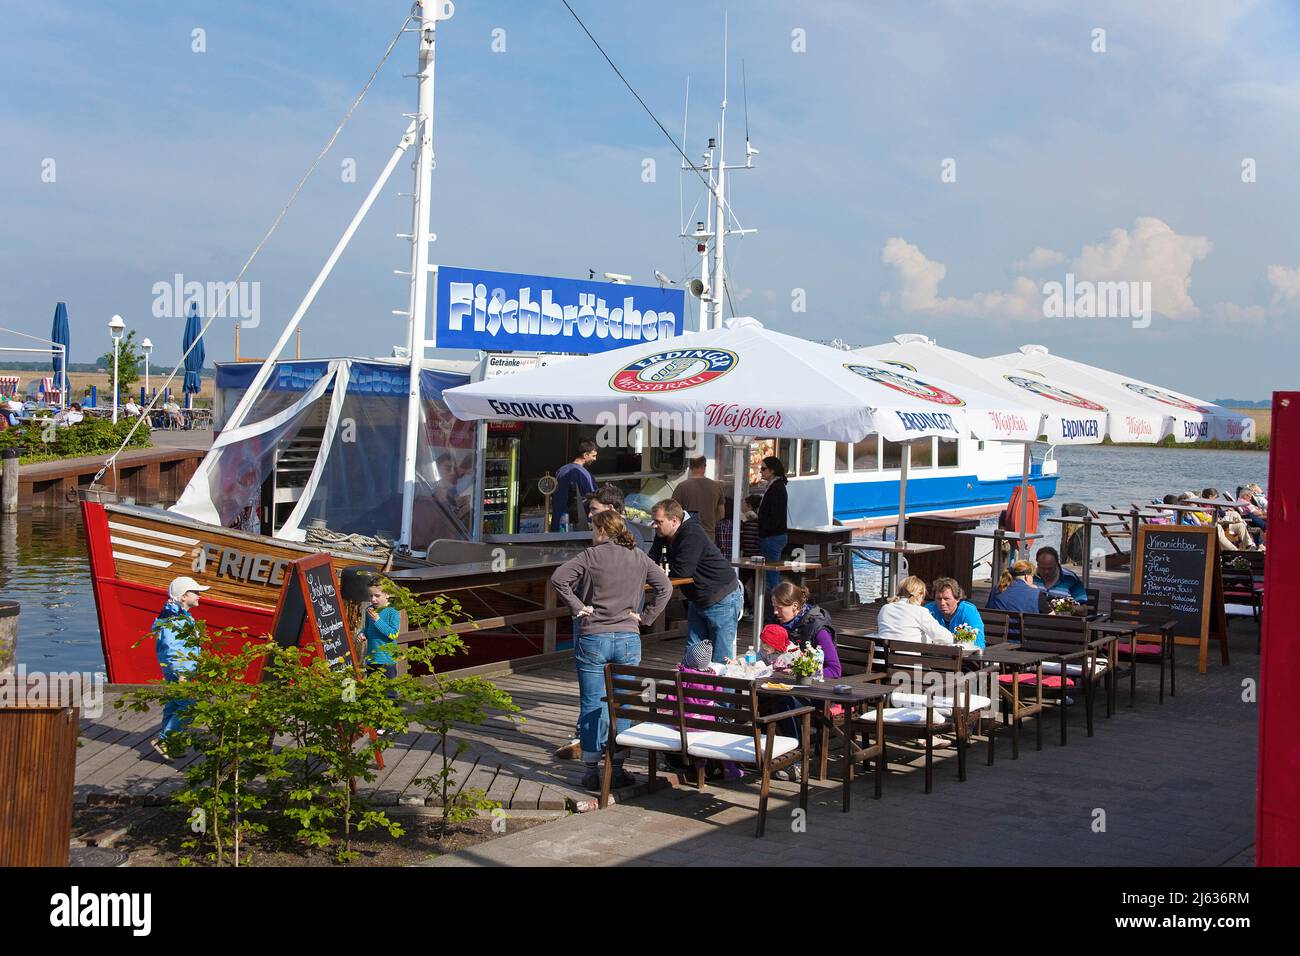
[
  {"x": 1017, "y": 592},
  {"x": 807, "y": 624},
  {"x": 951, "y": 609},
  {"x": 904, "y": 618}
]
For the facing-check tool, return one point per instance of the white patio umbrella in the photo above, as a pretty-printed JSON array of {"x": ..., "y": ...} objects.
[
  {"x": 1062, "y": 417},
  {"x": 742, "y": 381},
  {"x": 1138, "y": 410}
]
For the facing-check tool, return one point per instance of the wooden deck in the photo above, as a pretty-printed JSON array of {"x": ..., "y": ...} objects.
[
  {"x": 512, "y": 763},
  {"x": 145, "y": 474}
]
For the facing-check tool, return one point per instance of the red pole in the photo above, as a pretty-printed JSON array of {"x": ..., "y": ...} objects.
[{"x": 1277, "y": 815}]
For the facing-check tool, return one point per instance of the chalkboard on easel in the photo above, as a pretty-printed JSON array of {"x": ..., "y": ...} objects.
[
  {"x": 310, "y": 611},
  {"x": 1180, "y": 562}
]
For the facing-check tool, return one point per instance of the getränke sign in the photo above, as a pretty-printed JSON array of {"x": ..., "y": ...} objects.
[{"x": 506, "y": 311}]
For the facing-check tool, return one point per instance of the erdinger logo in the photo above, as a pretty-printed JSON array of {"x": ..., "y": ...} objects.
[
  {"x": 673, "y": 370},
  {"x": 1054, "y": 393},
  {"x": 1163, "y": 397},
  {"x": 905, "y": 384}
]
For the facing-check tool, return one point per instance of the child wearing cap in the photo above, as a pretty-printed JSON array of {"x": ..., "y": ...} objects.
[{"x": 175, "y": 630}]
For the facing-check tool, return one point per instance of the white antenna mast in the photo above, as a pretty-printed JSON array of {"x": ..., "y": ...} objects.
[
  {"x": 721, "y": 227},
  {"x": 426, "y": 14}
]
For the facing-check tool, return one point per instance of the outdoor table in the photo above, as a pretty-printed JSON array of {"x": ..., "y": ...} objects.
[
  {"x": 822, "y": 695},
  {"x": 997, "y": 536},
  {"x": 894, "y": 549},
  {"x": 1087, "y": 522},
  {"x": 1135, "y": 516},
  {"x": 1011, "y": 658},
  {"x": 796, "y": 568}
]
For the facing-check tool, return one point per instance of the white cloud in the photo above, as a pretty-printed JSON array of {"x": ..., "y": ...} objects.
[
  {"x": 1285, "y": 283},
  {"x": 1153, "y": 253},
  {"x": 1037, "y": 260},
  {"x": 919, "y": 278}
]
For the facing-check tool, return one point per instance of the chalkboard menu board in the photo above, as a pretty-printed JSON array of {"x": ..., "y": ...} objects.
[
  {"x": 1180, "y": 562},
  {"x": 311, "y": 610}
]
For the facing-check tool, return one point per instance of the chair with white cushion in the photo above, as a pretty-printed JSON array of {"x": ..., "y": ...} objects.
[
  {"x": 934, "y": 697},
  {"x": 721, "y": 721},
  {"x": 1076, "y": 662},
  {"x": 644, "y": 714}
]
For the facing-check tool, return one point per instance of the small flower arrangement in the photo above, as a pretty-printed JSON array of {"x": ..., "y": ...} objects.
[
  {"x": 965, "y": 634},
  {"x": 804, "y": 663},
  {"x": 1064, "y": 605}
]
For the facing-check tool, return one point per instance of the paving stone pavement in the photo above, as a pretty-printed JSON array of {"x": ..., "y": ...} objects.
[{"x": 1170, "y": 785}]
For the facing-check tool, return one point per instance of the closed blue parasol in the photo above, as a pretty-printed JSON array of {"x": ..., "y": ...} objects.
[
  {"x": 60, "y": 335},
  {"x": 193, "y": 359}
]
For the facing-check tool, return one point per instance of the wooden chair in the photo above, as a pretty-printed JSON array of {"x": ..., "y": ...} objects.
[
  {"x": 1241, "y": 588},
  {"x": 1066, "y": 638},
  {"x": 1153, "y": 643},
  {"x": 1000, "y": 627},
  {"x": 919, "y": 709},
  {"x": 644, "y": 714},
  {"x": 722, "y": 722}
]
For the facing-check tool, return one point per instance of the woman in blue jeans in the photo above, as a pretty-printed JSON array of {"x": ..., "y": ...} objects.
[
  {"x": 611, "y": 576},
  {"x": 772, "y": 531}
]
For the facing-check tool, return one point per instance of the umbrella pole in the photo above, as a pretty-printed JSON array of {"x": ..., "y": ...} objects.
[
  {"x": 1024, "y": 502},
  {"x": 899, "y": 535},
  {"x": 737, "y": 496}
]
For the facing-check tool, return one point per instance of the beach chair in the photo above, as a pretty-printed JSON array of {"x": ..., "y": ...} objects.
[{"x": 1113, "y": 531}]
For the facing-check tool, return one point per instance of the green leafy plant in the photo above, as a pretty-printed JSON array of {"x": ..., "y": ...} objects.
[
  {"x": 440, "y": 703},
  {"x": 965, "y": 634},
  {"x": 231, "y": 729},
  {"x": 130, "y": 360},
  {"x": 804, "y": 663},
  {"x": 324, "y": 711}
]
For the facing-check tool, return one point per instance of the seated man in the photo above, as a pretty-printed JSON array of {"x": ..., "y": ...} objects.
[
  {"x": 952, "y": 610},
  {"x": 70, "y": 415},
  {"x": 131, "y": 408},
  {"x": 1057, "y": 581},
  {"x": 173, "y": 411}
]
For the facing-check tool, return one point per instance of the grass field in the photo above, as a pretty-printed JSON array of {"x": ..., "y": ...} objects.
[{"x": 29, "y": 382}]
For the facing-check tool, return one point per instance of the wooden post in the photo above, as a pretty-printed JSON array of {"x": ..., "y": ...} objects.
[
  {"x": 9, "y": 485},
  {"x": 38, "y": 759},
  {"x": 548, "y": 629},
  {"x": 8, "y": 636}
]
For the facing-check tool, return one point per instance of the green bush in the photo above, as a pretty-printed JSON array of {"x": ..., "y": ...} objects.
[{"x": 93, "y": 436}]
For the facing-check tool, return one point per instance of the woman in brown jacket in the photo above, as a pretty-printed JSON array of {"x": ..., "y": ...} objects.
[{"x": 611, "y": 577}]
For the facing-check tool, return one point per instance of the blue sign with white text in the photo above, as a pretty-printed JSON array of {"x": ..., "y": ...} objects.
[{"x": 505, "y": 311}]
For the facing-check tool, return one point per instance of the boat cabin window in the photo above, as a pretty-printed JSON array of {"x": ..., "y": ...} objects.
[
  {"x": 866, "y": 454},
  {"x": 800, "y": 457},
  {"x": 809, "y": 457},
  {"x": 922, "y": 454},
  {"x": 843, "y": 454},
  {"x": 947, "y": 453}
]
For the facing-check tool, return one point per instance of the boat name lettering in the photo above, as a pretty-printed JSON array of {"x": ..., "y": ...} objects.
[
  {"x": 925, "y": 421},
  {"x": 736, "y": 418},
  {"x": 1079, "y": 428},
  {"x": 550, "y": 411},
  {"x": 240, "y": 565}
]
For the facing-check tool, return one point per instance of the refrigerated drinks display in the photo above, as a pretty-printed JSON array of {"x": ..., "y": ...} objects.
[{"x": 501, "y": 485}]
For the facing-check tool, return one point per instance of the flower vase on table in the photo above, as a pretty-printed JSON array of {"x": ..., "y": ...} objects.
[
  {"x": 965, "y": 635},
  {"x": 804, "y": 665}
]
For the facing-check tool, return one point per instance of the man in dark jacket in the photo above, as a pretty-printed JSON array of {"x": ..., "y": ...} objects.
[
  {"x": 772, "y": 510},
  {"x": 713, "y": 600}
]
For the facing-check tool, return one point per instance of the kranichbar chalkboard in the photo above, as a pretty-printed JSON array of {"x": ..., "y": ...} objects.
[
  {"x": 1181, "y": 563},
  {"x": 310, "y": 610}
]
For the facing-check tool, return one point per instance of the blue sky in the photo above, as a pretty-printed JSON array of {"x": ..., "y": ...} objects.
[{"x": 1116, "y": 165}]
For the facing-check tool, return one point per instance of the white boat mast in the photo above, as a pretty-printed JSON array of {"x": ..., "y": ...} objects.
[
  {"x": 426, "y": 16},
  {"x": 721, "y": 227}
]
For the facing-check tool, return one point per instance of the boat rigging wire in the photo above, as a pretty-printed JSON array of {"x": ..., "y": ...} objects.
[{"x": 111, "y": 461}]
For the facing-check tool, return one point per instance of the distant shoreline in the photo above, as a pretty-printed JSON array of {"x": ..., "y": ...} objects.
[{"x": 1259, "y": 444}]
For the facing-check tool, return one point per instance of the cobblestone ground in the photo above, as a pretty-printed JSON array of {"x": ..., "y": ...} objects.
[{"x": 1170, "y": 785}]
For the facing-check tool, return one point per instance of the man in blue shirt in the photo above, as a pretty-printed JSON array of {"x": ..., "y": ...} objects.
[
  {"x": 1056, "y": 580},
  {"x": 950, "y": 608},
  {"x": 573, "y": 481}
]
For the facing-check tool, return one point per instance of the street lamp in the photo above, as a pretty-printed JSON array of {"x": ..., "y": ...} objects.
[
  {"x": 115, "y": 329},
  {"x": 146, "y": 347}
]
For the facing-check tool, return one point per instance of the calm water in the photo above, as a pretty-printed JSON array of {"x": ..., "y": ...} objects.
[{"x": 43, "y": 562}]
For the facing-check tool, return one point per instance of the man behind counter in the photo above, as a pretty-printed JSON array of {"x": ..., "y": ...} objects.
[{"x": 573, "y": 481}]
